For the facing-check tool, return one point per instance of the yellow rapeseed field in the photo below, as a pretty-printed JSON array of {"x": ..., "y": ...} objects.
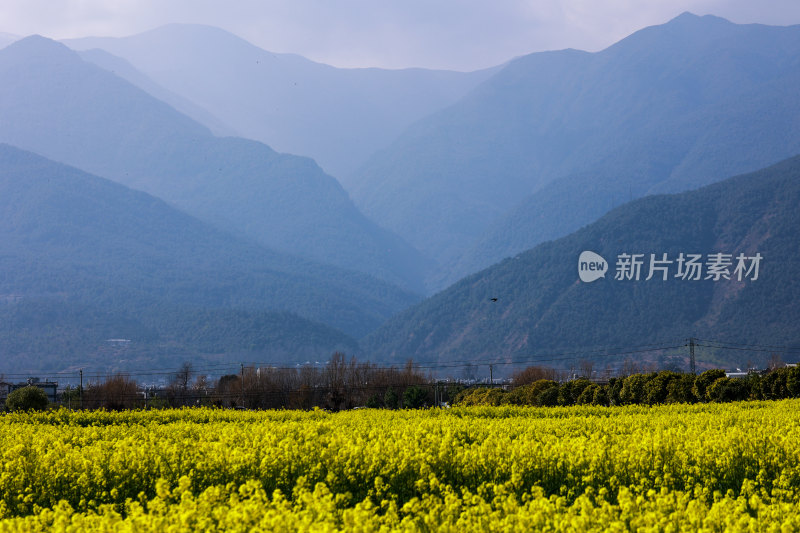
[{"x": 711, "y": 467}]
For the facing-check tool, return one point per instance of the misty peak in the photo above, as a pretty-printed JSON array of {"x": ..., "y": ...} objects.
[
  {"x": 38, "y": 48},
  {"x": 688, "y": 19},
  {"x": 208, "y": 41},
  {"x": 685, "y": 31},
  {"x": 686, "y": 16},
  {"x": 689, "y": 24},
  {"x": 190, "y": 32},
  {"x": 38, "y": 44}
]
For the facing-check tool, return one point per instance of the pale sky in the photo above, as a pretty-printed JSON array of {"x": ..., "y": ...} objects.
[{"x": 451, "y": 34}]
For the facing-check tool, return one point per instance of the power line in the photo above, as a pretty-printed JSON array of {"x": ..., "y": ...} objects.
[
  {"x": 531, "y": 358},
  {"x": 544, "y": 357},
  {"x": 748, "y": 347},
  {"x": 754, "y": 347}
]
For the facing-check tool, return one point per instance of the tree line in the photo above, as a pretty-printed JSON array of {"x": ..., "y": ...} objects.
[
  {"x": 347, "y": 384},
  {"x": 341, "y": 384},
  {"x": 530, "y": 388}
]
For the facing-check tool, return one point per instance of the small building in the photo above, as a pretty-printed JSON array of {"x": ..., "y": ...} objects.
[
  {"x": 5, "y": 389},
  {"x": 49, "y": 387},
  {"x": 737, "y": 375}
]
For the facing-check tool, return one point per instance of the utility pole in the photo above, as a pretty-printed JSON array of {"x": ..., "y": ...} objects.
[
  {"x": 81, "y": 389},
  {"x": 242, "y": 383},
  {"x": 692, "y": 366},
  {"x": 491, "y": 377}
]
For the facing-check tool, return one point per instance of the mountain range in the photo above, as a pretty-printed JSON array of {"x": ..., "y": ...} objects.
[
  {"x": 84, "y": 260},
  {"x": 137, "y": 227},
  {"x": 555, "y": 139},
  {"x": 56, "y": 104},
  {"x": 337, "y": 116},
  {"x": 535, "y": 308}
]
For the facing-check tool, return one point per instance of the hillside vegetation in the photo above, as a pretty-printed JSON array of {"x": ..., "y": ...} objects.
[
  {"x": 84, "y": 259},
  {"x": 556, "y": 139},
  {"x": 57, "y": 105},
  {"x": 542, "y": 309}
]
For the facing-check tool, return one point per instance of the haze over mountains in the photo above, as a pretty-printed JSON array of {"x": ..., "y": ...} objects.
[
  {"x": 220, "y": 246},
  {"x": 555, "y": 139},
  {"x": 534, "y": 308},
  {"x": 95, "y": 260},
  {"x": 57, "y": 105},
  {"x": 128, "y": 72},
  {"x": 512, "y": 156},
  {"x": 339, "y": 117}
]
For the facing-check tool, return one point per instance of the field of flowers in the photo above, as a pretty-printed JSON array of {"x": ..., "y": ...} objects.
[{"x": 670, "y": 468}]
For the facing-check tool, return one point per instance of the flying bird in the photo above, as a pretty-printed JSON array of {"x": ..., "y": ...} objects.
[{"x": 494, "y": 299}]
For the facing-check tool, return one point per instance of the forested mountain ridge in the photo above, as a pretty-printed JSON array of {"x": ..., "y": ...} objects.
[
  {"x": 535, "y": 303},
  {"x": 86, "y": 259},
  {"x": 55, "y": 104},
  {"x": 556, "y": 139}
]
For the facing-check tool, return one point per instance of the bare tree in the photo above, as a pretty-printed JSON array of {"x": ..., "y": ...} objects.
[
  {"x": 334, "y": 381},
  {"x": 587, "y": 368},
  {"x": 533, "y": 374},
  {"x": 117, "y": 392},
  {"x": 775, "y": 361},
  {"x": 629, "y": 367},
  {"x": 178, "y": 388},
  {"x": 227, "y": 391},
  {"x": 184, "y": 375},
  {"x": 200, "y": 389}
]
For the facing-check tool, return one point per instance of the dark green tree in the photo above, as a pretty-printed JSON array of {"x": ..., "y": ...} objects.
[
  {"x": 548, "y": 397},
  {"x": 704, "y": 381},
  {"x": 391, "y": 399},
  {"x": 774, "y": 385},
  {"x": 728, "y": 390},
  {"x": 658, "y": 387},
  {"x": 679, "y": 390},
  {"x": 414, "y": 397},
  {"x": 793, "y": 381},
  {"x": 30, "y": 398},
  {"x": 570, "y": 391},
  {"x": 614, "y": 388},
  {"x": 528, "y": 394},
  {"x": 600, "y": 396},
  {"x": 374, "y": 402},
  {"x": 634, "y": 389},
  {"x": 588, "y": 394}
]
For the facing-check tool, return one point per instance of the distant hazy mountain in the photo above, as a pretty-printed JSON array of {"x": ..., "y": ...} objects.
[
  {"x": 84, "y": 259},
  {"x": 337, "y": 116},
  {"x": 123, "y": 69},
  {"x": 533, "y": 307},
  {"x": 671, "y": 107},
  {"x": 55, "y": 104}
]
